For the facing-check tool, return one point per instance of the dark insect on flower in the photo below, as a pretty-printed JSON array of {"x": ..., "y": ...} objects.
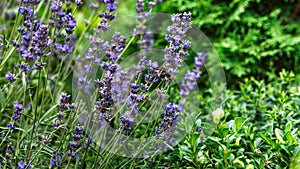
[
  {"x": 163, "y": 75},
  {"x": 10, "y": 77}
]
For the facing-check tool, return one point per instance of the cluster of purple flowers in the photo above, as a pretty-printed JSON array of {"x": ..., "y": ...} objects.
[
  {"x": 189, "y": 83},
  {"x": 22, "y": 165},
  {"x": 9, "y": 152},
  {"x": 120, "y": 85},
  {"x": 60, "y": 19},
  {"x": 116, "y": 46},
  {"x": 168, "y": 124},
  {"x": 56, "y": 159},
  {"x": 63, "y": 105},
  {"x": 111, "y": 6},
  {"x": 142, "y": 15},
  {"x": 34, "y": 37},
  {"x": 126, "y": 121},
  {"x": 10, "y": 77},
  {"x": 75, "y": 143},
  {"x": 176, "y": 52},
  {"x": 17, "y": 114}
]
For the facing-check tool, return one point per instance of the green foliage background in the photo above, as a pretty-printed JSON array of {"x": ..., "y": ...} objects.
[{"x": 253, "y": 37}]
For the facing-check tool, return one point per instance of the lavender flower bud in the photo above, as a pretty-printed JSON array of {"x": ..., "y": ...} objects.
[
  {"x": 10, "y": 77},
  {"x": 56, "y": 159}
]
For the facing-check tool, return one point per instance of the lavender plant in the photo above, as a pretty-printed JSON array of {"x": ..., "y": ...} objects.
[{"x": 46, "y": 120}]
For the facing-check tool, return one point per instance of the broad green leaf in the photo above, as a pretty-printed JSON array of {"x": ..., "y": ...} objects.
[
  {"x": 288, "y": 136},
  {"x": 266, "y": 139},
  {"x": 238, "y": 122},
  {"x": 186, "y": 150},
  {"x": 288, "y": 127},
  {"x": 238, "y": 161},
  {"x": 278, "y": 134}
]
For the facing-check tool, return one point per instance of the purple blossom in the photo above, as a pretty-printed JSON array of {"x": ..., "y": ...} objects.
[
  {"x": 10, "y": 126},
  {"x": 24, "y": 67},
  {"x": 78, "y": 2},
  {"x": 177, "y": 51},
  {"x": 171, "y": 116},
  {"x": 111, "y": 5},
  {"x": 56, "y": 159},
  {"x": 17, "y": 114},
  {"x": 126, "y": 121},
  {"x": 200, "y": 59},
  {"x": 38, "y": 66},
  {"x": 189, "y": 82},
  {"x": 10, "y": 77},
  {"x": 21, "y": 165},
  {"x": 75, "y": 143},
  {"x": 18, "y": 106}
]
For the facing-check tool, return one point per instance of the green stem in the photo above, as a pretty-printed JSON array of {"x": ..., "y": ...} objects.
[{"x": 34, "y": 117}]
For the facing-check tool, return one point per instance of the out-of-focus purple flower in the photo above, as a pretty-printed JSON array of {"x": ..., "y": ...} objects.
[
  {"x": 111, "y": 5},
  {"x": 200, "y": 129},
  {"x": 78, "y": 2},
  {"x": 21, "y": 165},
  {"x": 18, "y": 106},
  {"x": 10, "y": 126},
  {"x": 24, "y": 67},
  {"x": 200, "y": 59},
  {"x": 54, "y": 6},
  {"x": 56, "y": 159},
  {"x": 189, "y": 82},
  {"x": 126, "y": 121},
  {"x": 17, "y": 114},
  {"x": 10, "y": 150},
  {"x": 147, "y": 42},
  {"x": 38, "y": 66},
  {"x": 10, "y": 77},
  {"x": 88, "y": 140}
]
